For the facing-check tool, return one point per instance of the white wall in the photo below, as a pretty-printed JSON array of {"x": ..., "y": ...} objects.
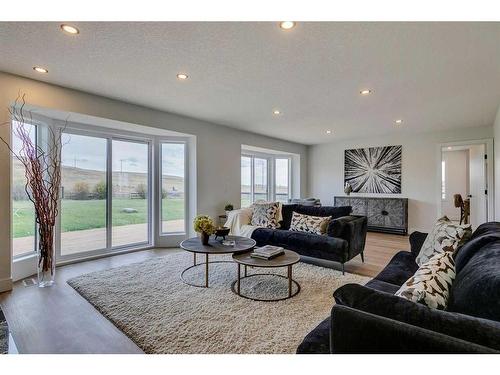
[
  {"x": 496, "y": 136},
  {"x": 419, "y": 162},
  {"x": 217, "y": 155},
  {"x": 456, "y": 180}
]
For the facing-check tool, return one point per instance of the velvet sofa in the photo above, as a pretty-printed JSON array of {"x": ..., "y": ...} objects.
[
  {"x": 345, "y": 237},
  {"x": 371, "y": 319}
]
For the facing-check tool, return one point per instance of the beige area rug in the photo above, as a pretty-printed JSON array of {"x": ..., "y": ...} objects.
[{"x": 161, "y": 314}]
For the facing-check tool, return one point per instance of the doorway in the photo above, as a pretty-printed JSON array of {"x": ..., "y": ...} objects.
[{"x": 465, "y": 178}]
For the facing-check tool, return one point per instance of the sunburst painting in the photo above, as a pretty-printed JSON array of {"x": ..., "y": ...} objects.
[{"x": 374, "y": 169}]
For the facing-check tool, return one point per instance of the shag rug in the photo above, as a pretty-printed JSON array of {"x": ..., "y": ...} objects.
[{"x": 161, "y": 314}]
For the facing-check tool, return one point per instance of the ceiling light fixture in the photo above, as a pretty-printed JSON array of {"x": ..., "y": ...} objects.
[
  {"x": 276, "y": 112},
  {"x": 39, "y": 69},
  {"x": 287, "y": 25},
  {"x": 365, "y": 92},
  {"x": 182, "y": 76},
  {"x": 449, "y": 147},
  {"x": 70, "y": 29},
  {"x": 328, "y": 132},
  {"x": 399, "y": 122}
]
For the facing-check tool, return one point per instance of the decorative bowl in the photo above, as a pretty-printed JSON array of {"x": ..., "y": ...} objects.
[{"x": 221, "y": 232}]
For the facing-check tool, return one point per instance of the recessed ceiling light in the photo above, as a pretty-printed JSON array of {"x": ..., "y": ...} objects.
[
  {"x": 182, "y": 76},
  {"x": 287, "y": 25},
  {"x": 399, "y": 121},
  {"x": 39, "y": 69},
  {"x": 449, "y": 147},
  {"x": 365, "y": 92},
  {"x": 277, "y": 112},
  {"x": 328, "y": 132},
  {"x": 70, "y": 29}
]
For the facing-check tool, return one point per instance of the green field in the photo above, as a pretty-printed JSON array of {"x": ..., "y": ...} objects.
[{"x": 89, "y": 214}]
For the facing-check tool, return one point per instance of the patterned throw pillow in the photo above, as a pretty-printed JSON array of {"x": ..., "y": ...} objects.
[
  {"x": 309, "y": 224},
  {"x": 446, "y": 236},
  {"x": 431, "y": 283},
  {"x": 266, "y": 215}
]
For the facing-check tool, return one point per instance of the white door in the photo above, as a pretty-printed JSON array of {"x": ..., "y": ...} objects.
[{"x": 477, "y": 173}]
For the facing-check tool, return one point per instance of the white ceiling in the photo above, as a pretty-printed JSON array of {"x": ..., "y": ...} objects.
[{"x": 432, "y": 75}]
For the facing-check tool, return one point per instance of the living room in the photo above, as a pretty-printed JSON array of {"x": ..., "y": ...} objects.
[{"x": 249, "y": 185}]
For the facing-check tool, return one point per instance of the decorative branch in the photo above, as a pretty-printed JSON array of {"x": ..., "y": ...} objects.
[{"x": 42, "y": 166}]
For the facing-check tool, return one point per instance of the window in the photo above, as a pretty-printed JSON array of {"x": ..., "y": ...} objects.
[
  {"x": 443, "y": 180},
  {"x": 23, "y": 210},
  {"x": 282, "y": 180},
  {"x": 264, "y": 177},
  {"x": 173, "y": 187}
]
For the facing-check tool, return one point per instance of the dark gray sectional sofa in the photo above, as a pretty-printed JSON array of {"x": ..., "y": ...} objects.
[
  {"x": 371, "y": 319},
  {"x": 345, "y": 238}
]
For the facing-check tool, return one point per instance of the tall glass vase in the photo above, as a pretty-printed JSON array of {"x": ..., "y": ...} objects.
[{"x": 46, "y": 263}]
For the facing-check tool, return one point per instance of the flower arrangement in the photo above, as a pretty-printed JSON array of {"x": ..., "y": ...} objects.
[{"x": 204, "y": 225}]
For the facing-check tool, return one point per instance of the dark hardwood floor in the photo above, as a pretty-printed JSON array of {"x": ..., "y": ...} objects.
[{"x": 59, "y": 320}]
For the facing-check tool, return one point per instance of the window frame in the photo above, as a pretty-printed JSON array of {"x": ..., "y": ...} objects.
[
  {"x": 271, "y": 173},
  {"x": 109, "y": 136}
]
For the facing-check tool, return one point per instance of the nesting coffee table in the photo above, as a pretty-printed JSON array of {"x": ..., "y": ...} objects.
[
  {"x": 214, "y": 247},
  {"x": 286, "y": 260}
]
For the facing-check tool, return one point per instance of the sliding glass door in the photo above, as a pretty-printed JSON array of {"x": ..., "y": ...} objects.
[
  {"x": 131, "y": 193},
  {"x": 106, "y": 190},
  {"x": 84, "y": 205}
]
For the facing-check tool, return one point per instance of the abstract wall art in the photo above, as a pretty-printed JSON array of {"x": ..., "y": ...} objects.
[{"x": 374, "y": 169}]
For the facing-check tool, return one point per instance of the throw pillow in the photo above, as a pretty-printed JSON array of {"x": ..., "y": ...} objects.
[
  {"x": 431, "y": 283},
  {"x": 266, "y": 215},
  {"x": 309, "y": 224},
  {"x": 445, "y": 236}
]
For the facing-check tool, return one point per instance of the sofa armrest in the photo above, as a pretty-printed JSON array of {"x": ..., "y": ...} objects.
[
  {"x": 480, "y": 331},
  {"x": 356, "y": 331},
  {"x": 417, "y": 239},
  {"x": 351, "y": 229}
]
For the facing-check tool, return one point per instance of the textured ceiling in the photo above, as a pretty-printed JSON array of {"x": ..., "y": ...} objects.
[{"x": 432, "y": 75}]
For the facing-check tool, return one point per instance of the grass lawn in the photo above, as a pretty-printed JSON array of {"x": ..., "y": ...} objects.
[{"x": 89, "y": 214}]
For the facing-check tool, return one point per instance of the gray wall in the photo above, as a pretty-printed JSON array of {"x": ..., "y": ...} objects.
[
  {"x": 420, "y": 162},
  {"x": 496, "y": 136},
  {"x": 218, "y": 147}
]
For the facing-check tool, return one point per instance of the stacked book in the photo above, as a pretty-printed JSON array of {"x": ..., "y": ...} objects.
[{"x": 267, "y": 252}]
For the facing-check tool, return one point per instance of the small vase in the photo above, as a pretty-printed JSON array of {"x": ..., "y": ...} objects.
[
  {"x": 46, "y": 257},
  {"x": 204, "y": 238}
]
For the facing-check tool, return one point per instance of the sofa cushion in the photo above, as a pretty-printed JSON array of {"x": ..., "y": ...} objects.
[
  {"x": 309, "y": 224},
  {"x": 431, "y": 283},
  {"x": 476, "y": 330},
  {"x": 445, "y": 236},
  {"x": 307, "y": 244},
  {"x": 401, "y": 267},
  {"x": 334, "y": 212},
  {"x": 317, "y": 341},
  {"x": 382, "y": 286},
  {"x": 476, "y": 289}
]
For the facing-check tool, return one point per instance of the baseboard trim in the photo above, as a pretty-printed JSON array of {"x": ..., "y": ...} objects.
[{"x": 5, "y": 285}]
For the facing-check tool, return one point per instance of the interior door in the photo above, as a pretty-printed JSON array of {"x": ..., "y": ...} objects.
[{"x": 477, "y": 173}]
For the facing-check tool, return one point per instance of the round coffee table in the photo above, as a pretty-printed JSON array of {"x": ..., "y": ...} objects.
[
  {"x": 286, "y": 260},
  {"x": 214, "y": 247}
]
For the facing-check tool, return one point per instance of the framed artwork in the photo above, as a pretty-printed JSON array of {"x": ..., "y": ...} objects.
[{"x": 373, "y": 169}]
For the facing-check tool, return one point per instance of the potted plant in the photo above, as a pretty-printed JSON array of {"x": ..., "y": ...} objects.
[
  {"x": 204, "y": 225},
  {"x": 42, "y": 166}
]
